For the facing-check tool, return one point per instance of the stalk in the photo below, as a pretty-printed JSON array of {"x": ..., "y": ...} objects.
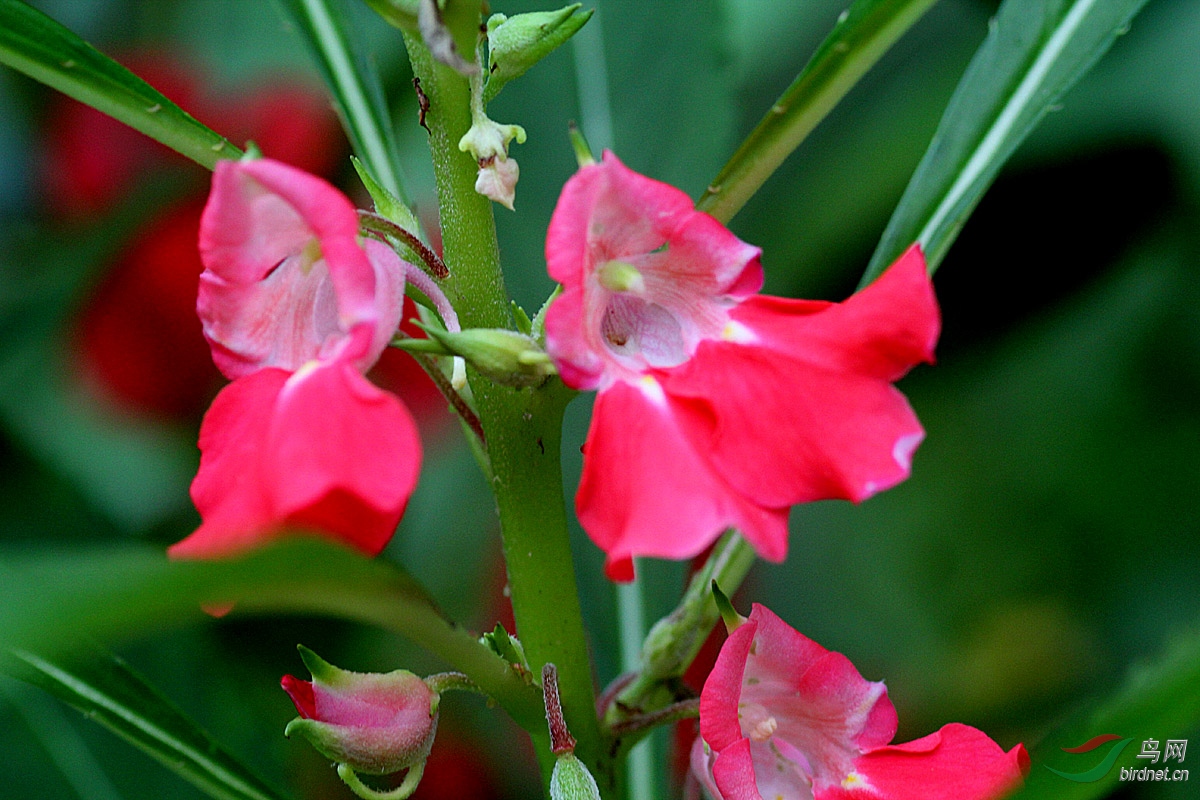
[{"x": 522, "y": 426}]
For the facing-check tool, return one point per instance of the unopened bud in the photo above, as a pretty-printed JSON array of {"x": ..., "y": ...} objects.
[
  {"x": 488, "y": 142},
  {"x": 370, "y": 722},
  {"x": 572, "y": 781},
  {"x": 497, "y": 180},
  {"x": 488, "y": 139},
  {"x": 504, "y": 356},
  {"x": 517, "y": 43}
]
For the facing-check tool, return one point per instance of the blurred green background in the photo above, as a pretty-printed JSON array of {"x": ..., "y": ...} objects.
[{"x": 1045, "y": 545}]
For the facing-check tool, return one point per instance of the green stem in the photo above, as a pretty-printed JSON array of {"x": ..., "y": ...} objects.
[
  {"x": 631, "y": 619},
  {"x": 522, "y": 426},
  {"x": 863, "y": 34},
  {"x": 674, "y": 641},
  {"x": 401, "y": 792}
]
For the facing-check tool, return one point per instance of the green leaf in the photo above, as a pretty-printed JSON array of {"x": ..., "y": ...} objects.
[
  {"x": 36, "y": 45},
  {"x": 1157, "y": 701},
  {"x": 1034, "y": 52},
  {"x": 48, "y": 602},
  {"x": 342, "y": 55},
  {"x": 863, "y": 34},
  {"x": 107, "y": 691}
]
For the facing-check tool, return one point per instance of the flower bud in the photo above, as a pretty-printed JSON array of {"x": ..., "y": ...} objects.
[
  {"x": 488, "y": 142},
  {"x": 517, "y": 43},
  {"x": 571, "y": 780},
  {"x": 373, "y": 723},
  {"x": 497, "y": 180},
  {"x": 487, "y": 138},
  {"x": 504, "y": 356}
]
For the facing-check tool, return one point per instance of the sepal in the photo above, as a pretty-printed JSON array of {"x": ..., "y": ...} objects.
[{"x": 571, "y": 780}]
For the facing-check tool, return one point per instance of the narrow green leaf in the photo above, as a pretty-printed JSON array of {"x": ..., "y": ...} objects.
[
  {"x": 48, "y": 602},
  {"x": 1034, "y": 52},
  {"x": 342, "y": 56},
  {"x": 863, "y": 34},
  {"x": 36, "y": 45},
  {"x": 1157, "y": 701},
  {"x": 107, "y": 691}
]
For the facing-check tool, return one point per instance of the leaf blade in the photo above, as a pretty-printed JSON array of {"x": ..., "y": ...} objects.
[
  {"x": 47, "y": 601},
  {"x": 36, "y": 45},
  {"x": 340, "y": 55},
  {"x": 863, "y": 34},
  {"x": 107, "y": 691},
  {"x": 1157, "y": 700},
  {"x": 1034, "y": 52}
]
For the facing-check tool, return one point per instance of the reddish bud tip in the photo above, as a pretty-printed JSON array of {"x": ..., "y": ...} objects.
[
  {"x": 301, "y": 693},
  {"x": 561, "y": 740}
]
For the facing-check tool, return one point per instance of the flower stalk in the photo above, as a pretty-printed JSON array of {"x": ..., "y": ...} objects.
[{"x": 522, "y": 426}]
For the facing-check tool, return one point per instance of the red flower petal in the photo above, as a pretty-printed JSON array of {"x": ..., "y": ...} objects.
[
  {"x": 285, "y": 278},
  {"x": 645, "y": 491},
  {"x": 806, "y": 411},
  {"x": 958, "y": 761},
  {"x": 688, "y": 266},
  {"x": 347, "y": 456},
  {"x": 786, "y": 718},
  {"x": 301, "y": 693},
  {"x": 321, "y": 449}
]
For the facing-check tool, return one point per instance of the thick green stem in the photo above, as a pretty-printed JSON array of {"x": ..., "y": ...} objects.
[{"x": 522, "y": 426}]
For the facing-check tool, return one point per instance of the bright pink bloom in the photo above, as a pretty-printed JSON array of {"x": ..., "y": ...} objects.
[
  {"x": 295, "y": 309},
  {"x": 782, "y": 718},
  {"x": 286, "y": 279},
  {"x": 377, "y": 723},
  {"x": 719, "y": 407},
  {"x": 321, "y": 449}
]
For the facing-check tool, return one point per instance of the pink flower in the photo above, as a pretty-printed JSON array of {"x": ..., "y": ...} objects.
[
  {"x": 719, "y": 407},
  {"x": 783, "y": 718},
  {"x": 374, "y": 723},
  {"x": 286, "y": 279},
  {"x": 295, "y": 308}
]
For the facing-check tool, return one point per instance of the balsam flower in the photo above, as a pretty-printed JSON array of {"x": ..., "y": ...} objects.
[
  {"x": 296, "y": 308},
  {"x": 782, "y": 718},
  {"x": 718, "y": 407}
]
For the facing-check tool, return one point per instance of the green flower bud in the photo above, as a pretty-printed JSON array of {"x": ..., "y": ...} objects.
[
  {"x": 571, "y": 780},
  {"x": 517, "y": 43},
  {"x": 504, "y": 356}
]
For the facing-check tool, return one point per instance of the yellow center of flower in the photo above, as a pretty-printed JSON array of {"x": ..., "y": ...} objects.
[
  {"x": 763, "y": 729},
  {"x": 620, "y": 276},
  {"x": 310, "y": 255},
  {"x": 854, "y": 781}
]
